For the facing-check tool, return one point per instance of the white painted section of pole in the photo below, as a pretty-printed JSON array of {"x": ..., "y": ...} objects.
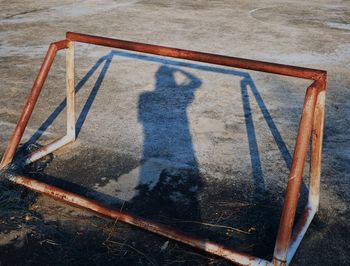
[
  {"x": 70, "y": 90},
  {"x": 295, "y": 244},
  {"x": 43, "y": 151},
  {"x": 316, "y": 150}
]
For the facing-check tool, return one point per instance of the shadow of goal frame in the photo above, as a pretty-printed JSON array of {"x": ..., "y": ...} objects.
[{"x": 311, "y": 125}]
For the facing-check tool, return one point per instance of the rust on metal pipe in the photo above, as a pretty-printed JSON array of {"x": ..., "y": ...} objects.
[
  {"x": 63, "y": 44},
  {"x": 316, "y": 149},
  {"x": 300, "y": 230},
  {"x": 315, "y": 172},
  {"x": 30, "y": 103},
  {"x": 302, "y": 221},
  {"x": 280, "y": 69},
  {"x": 312, "y": 118},
  {"x": 295, "y": 176},
  {"x": 81, "y": 201}
]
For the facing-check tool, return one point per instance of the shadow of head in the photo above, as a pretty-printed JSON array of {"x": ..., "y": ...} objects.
[
  {"x": 174, "y": 91},
  {"x": 168, "y": 77}
]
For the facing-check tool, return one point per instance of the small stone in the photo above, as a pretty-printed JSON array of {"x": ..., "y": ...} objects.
[{"x": 164, "y": 246}]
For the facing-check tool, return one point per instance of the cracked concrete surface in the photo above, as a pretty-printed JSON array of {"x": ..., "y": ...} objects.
[{"x": 175, "y": 139}]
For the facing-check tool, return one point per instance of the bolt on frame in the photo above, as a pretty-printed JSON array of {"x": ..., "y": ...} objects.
[{"x": 311, "y": 126}]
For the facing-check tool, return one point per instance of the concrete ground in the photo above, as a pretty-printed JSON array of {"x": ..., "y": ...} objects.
[{"x": 187, "y": 144}]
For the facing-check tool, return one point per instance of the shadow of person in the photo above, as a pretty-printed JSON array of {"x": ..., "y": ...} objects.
[{"x": 169, "y": 179}]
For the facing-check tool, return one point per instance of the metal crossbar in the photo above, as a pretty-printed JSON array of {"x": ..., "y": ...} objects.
[{"x": 311, "y": 126}]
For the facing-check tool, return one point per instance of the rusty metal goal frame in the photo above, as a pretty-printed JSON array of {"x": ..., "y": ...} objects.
[{"x": 310, "y": 127}]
